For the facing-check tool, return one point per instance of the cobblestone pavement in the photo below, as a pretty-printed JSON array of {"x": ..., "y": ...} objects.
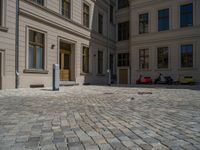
[{"x": 100, "y": 117}]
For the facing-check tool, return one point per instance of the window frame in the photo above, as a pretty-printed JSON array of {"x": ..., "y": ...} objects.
[
  {"x": 124, "y": 60},
  {"x": 148, "y": 23},
  {"x": 158, "y": 19},
  {"x": 102, "y": 63},
  {"x": 44, "y": 52},
  {"x": 102, "y": 25},
  {"x": 180, "y": 15},
  {"x": 193, "y": 55},
  {"x": 88, "y": 59},
  {"x": 168, "y": 57},
  {"x": 61, "y": 10},
  {"x": 146, "y": 56},
  {"x": 111, "y": 14},
  {"x": 123, "y": 34},
  {"x": 89, "y": 6}
]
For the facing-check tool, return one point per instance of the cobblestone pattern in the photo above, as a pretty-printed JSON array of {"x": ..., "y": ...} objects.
[{"x": 100, "y": 117}]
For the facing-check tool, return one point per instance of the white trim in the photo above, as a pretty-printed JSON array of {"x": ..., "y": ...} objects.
[{"x": 45, "y": 47}]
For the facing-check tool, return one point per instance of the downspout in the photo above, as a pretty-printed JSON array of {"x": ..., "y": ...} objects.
[{"x": 17, "y": 46}]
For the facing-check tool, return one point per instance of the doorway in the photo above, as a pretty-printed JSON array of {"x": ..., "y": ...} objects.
[
  {"x": 123, "y": 76},
  {"x": 64, "y": 65}
]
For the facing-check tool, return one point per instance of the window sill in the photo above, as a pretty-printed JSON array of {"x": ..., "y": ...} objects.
[
  {"x": 186, "y": 69},
  {"x": 34, "y": 71},
  {"x": 3, "y": 29}
]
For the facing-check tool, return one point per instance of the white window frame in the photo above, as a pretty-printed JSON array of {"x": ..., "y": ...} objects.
[
  {"x": 27, "y": 48},
  {"x": 71, "y": 9},
  {"x": 87, "y": 3}
]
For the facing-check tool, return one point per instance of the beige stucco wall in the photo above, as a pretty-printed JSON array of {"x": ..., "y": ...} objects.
[
  {"x": 154, "y": 39},
  {"x": 7, "y": 44},
  {"x": 48, "y": 20}
]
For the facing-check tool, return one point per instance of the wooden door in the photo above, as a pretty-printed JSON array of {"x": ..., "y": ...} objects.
[
  {"x": 64, "y": 65},
  {"x": 123, "y": 76}
]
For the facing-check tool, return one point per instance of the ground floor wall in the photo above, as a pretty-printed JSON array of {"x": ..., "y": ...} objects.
[
  {"x": 53, "y": 37},
  {"x": 174, "y": 59}
]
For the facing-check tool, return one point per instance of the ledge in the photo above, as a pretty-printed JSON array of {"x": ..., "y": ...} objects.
[
  {"x": 3, "y": 29},
  {"x": 36, "y": 71}
]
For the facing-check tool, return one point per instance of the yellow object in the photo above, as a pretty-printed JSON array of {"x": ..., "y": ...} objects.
[{"x": 187, "y": 80}]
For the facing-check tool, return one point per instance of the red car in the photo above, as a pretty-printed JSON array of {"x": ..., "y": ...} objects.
[{"x": 144, "y": 80}]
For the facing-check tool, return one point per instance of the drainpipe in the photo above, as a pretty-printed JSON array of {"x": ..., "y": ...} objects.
[{"x": 17, "y": 46}]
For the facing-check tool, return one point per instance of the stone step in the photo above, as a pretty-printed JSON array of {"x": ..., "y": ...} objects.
[{"x": 68, "y": 83}]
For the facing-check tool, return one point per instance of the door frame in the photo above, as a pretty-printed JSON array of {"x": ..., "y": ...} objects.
[{"x": 118, "y": 68}]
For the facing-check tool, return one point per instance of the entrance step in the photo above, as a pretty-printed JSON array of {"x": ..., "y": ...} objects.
[{"x": 68, "y": 83}]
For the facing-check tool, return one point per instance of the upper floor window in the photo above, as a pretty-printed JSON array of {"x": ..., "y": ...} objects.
[
  {"x": 186, "y": 15},
  {"x": 66, "y": 8},
  {"x": 123, "y": 31},
  {"x": 40, "y": 2},
  {"x": 100, "y": 23},
  {"x": 144, "y": 58},
  {"x": 1, "y": 12},
  {"x": 85, "y": 60},
  {"x": 163, "y": 20},
  {"x": 143, "y": 23},
  {"x": 122, "y": 4},
  {"x": 187, "y": 56},
  {"x": 162, "y": 57},
  {"x": 86, "y": 15},
  {"x": 100, "y": 62},
  {"x": 36, "y": 50},
  {"x": 123, "y": 60},
  {"x": 111, "y": 13}
]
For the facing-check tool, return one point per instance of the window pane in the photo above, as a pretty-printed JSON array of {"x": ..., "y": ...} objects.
[
  {"x": 86, "y": 15},
  {"x": 85, "y": 60},
  {"x": 66, "y": 10},
  {"x": 186, "y": 15},
  {"x": 66, "y": 61},
  {"x": 163, "y": 20},
  {"x": 100, "y": 62},
  {"x": 187, "y": 56},
  {"x": 162, "y": 57},
  {"x": 143, "y": 23},
  {"x": 100, "y": 23},
  {"x": 123, "y": 31},
  {"x": 31, "y": 56},
  {"x": 143, "y": 58},
  {"x": 39, "y": 56}
]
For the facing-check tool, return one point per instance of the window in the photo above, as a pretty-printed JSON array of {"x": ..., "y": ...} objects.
[
  {"x": 85, "y": 60},
  {"x": 100, "y": 62},
  {"x": 163, "y": 20},
  {"x": 86, "y": 15},
  {"x": 111, "y": 13},
  {"x": 36, "y": 50},
  {"x": 40, "y": 2},
  {"x": 187, "y": 56},
  {"x": 1, "y": 12},
  {"x": 111, "y": 64},
  {"x": 100, "y": 24},
  {"x": 123, "y": 31},
  {"x": 122, "y": 4},
  {"x": 162, "y": 57},
  {"x": 144, "y": 58},
  {"x": 143, "y": 23},
  {"x": 123, "y": 60},
  {"x": 186, "y": 15},
  {"x": 66, "y": 8}
]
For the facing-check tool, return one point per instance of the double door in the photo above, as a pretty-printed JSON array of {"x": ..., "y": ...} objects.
[{"x": 64, "y": 65}]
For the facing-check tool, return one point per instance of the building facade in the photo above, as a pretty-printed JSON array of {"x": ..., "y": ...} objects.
[
  {"x": 89, "y": 37},
  {"x": 164, "y": 37},
  {"x": 77, "y": 34}
]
